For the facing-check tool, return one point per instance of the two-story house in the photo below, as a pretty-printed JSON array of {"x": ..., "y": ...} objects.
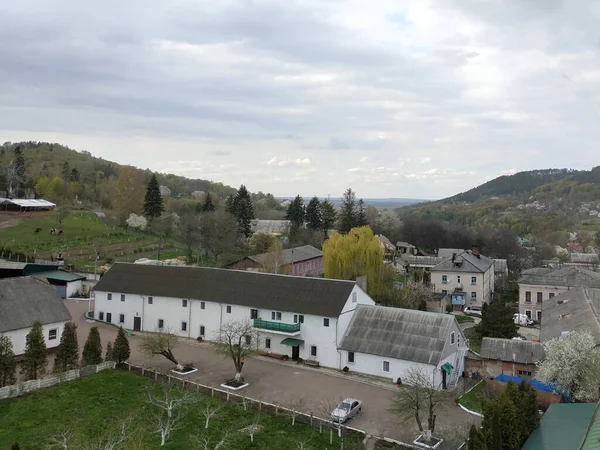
[
  {"x": 539, "y": 284},
  {"x": 302, "y": 317},
  {"x": 466, "y": 276}
]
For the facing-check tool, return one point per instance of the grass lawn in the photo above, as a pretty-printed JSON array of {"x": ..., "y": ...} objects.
[
  {"x": 462, "y": 318},
  {"x": 472, "y": 399},
  {"x": 474, "y": 339},
  {"x": 93, "y": 407}
]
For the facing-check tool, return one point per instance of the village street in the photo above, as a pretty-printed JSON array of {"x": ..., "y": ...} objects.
[{"x": 284, "y": 383}]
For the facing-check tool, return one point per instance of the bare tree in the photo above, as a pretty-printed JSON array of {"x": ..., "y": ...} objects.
[
  {"x": 162, "y": 343},
  {"x": 204, "y": 442},
  {"x": 295, "y": 408},
  {"x": 172, "y": 406},
  {"x": 113, "y": 442},
  {"x": 209, "y": 410},
  {"x": 274, "y": 261},
  {"x": 60, "y": 440},
  {"x": 325, "y": 408},
  {"x": 419, "y": 396},
  {"x": 303, "y": 445},
  {"x": 14, "y": 176},
  {"x": 236, "y": 340},
  {"x": 219, "y": 233},
  {"x": 254, "y": 426}
]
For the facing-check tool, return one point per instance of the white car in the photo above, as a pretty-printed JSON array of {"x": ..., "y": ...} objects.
[
  {"x": 522, "y": 319},
  {"x": 472, "y": 310},
  {"x": 348, "y": 408}
]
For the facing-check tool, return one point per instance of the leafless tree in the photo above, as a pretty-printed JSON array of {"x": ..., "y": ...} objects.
[
  {"x": 325, "y": 408},
  {"x": 295, "y": 408},
  {"x": 171, "y": 406},
  {"x": 14, "y": 176},
  {"x": 254, "y": 426},
  {"x": 418, "y": 396},
  {"x": 236, "y": 340},
  {"x": 204, "y": 442},
  {"x": 60, "y": 440},
  {"x": 113, "y": 442},
  {"x": 161, "y": 343},
  {"x": 274, "y": 260},
  {"x": 209, "y": 410},
  {"x": 303, "y": 445}
]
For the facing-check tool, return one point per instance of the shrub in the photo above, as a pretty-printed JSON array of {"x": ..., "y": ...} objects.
[
  {"x": 199, "y": 338},
  {"x": 398, "y": 381},
  {"x": 346, "y": 369}
]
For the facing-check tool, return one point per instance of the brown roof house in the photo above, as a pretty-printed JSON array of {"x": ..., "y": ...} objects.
[
  {"x": 512, "y": 357},
  {"x": 301, "y": 261}
]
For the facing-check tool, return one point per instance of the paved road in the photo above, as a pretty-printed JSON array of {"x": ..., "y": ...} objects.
[{"x": 285, "y": 383}]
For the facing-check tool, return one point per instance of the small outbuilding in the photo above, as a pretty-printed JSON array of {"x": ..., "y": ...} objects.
[{"x": 25, "y": 204}]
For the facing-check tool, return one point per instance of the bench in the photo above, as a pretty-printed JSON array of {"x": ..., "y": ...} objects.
[
  {"x": 311, "y": 362},
  {"x": 275, "y": 355}
]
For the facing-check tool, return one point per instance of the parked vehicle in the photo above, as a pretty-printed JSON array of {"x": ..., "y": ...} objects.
[
  {"x": 522, "y": 320},
  {"x": 347, "y": 409},
  {"x": 472, "y": 310},
  {"x": 519, "y": 338}
]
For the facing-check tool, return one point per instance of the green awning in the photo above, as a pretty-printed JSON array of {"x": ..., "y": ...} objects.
[
  {"x": 292, "y": 342},
  {"x": 447, "y": 367}
]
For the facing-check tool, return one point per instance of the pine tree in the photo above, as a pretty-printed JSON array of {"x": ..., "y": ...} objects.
[
  {"x": 347, "y": 216},
  {"x": 314, "y": 218},
  {"x": 497, "y": 320},
  {"x": 476, "y": 439},
  {"x": 92, "y": 350},
  {"x": 295, "y": 214},
  {"x": 34, "y": 360},
  {"x": 361, "y": 214},
  {"x": 153, "y": 202},
  {"x": 8, "y": 364},
  {"x": 121, "y": 350},
  {"x": 208, "y": 204},
  {"x": 67, "y": 356},
  {"x": 241, "y": 207},
  {"x": 528, "y": 409},
  {"x": 75, "y": 177},
  {"x": 109, "y": 352},
  {"x": 328, "y": 216},
  {"x": 66, "y": 172}
]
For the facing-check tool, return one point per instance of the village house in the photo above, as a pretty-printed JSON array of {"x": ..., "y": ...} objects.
[
  {"x": 389, "y": 249},
  {"x": 467, "y": 276},
  {"x": 24, "y": 300},
  {"x": 302, "y": 317},
  {"x": 539, "y": 284},
  {"x": 66, "y": 283},
  {"x": 514, "y": 357},
  {"x": 390, "y": 342},
  {"x": 301, "y": 261}
]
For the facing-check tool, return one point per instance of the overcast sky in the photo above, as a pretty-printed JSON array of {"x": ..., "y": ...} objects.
[{"x": 394, "y": 98}]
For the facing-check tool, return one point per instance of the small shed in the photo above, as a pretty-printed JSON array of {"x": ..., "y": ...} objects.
[
  {"x": 66, "y": 283},
  {"x": 25, "y": 204}
]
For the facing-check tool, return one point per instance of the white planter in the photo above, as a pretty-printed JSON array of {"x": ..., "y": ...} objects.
[
  {"x": 234, "y": 388},
  {"x": 184, "y": 373},
  {"x": 419, "y": 441}
]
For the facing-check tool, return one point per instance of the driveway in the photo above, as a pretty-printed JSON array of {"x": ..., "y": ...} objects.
[{"x": 284, "y": 383}]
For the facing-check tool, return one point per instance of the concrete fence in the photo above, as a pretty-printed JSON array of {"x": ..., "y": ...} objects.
[{"x": 53, "y": 380}]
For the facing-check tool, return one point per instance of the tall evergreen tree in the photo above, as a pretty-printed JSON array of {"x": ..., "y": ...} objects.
[
  {"x": 34, "y": 361},
  {"x": 347, "y": 215},
  {"x": 497, "y": 320},
  {"x": 92, "y": 350},
  {"x": 66, "y": 172},
  {"x": 529, "y": 409},
  {"x": 8, "y": 364},
  {"x": 67, "y": 356},
  {"x": 361, "y": 214},
  {"x": 314, "y": 217},
  {"x": 208, "y": 204},
  {"x": 109, "y": 352},
  {"x": 295, "y": 214},
  {"x": 75, "y": 176},
  {"x": 242, "y": 209},
  {"x": 328, "y": 216},
  {"x": 153, "y": 202},
  {"x": 121, "y": 350},
  {"x": 476, "y": 439}
]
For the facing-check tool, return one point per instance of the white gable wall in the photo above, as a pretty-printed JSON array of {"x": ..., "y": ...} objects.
[{"x": 18, "y": 337}]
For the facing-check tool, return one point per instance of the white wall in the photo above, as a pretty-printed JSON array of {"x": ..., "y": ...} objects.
[
  {"x": 534, "y": 306},
  {"x": 18, "y": 336},
  {"x": 74, "y": 286},
  {"x": 484, "y": 286},
  {"x": 312, "y": 331}
]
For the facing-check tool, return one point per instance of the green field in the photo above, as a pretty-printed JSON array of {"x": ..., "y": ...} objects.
[
  {"x": 460, "y": 318},
  {"x": 472, "y": 399},
  {"x": 474, "y": 339},
  {"x": 93, "y": 408}
]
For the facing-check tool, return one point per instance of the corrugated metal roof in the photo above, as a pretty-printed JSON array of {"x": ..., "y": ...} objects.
[
  {"x": 27, "y": 203},
  {"x": 60, "y": 275},
  {"x": 447, "y": 253},
  {"x": 469, "y": 263},
  {"x": 569, "y": 311},
  {"x": 398, "y": 333},
  {"x": 567, "y": 276},
  {"x": 592, "y": 438},
  {"x": 25, "y": 299},
  {"x": 305, "y": 295},
  {"x": 12, "y": 265},
  {"x": 289, "y": 255},
  {"x": 562, "y": 427},
  {"x": 519, "y": 351}
]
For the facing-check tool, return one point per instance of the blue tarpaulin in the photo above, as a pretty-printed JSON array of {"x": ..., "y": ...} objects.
[{"x": 535, "y": 383}]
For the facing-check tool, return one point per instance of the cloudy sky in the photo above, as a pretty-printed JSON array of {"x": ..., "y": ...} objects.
[{"x": 400, "y": 98}]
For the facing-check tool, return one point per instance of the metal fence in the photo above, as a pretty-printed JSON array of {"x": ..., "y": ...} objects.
[{"x": 33, "y": 385}]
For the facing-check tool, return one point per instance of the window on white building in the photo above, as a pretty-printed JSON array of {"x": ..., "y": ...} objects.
[
  {"x": 539, "y": 316},
  {"x": 354, "y": 295},
  {"x": 108, "y": 296},
  {"x": 275, "y": 315},
  {"x": 248, "y": 339},
  {"x": 183, "y": 326},
  {"x": 540, "y": 297},
  {"x": 202, "y": 330},
  {"x": 122, "y": 297},
  {"x": 458, "y": 279},
  {"x": 452, "y": 338},
  {"x": 53, "y": 334},
  {"x": 313, "y": 350},
  {"x": 551, "y": 295},
  {"x": 150, "y": 300},
  {"x": 350, "y": 357},
  {"x": 254, "y": 313},
  {"x": 386, "y": 366},
  {"x": 161, "y": 324},
  {"x": 473, "y": 295},
  {"x": 473, "y": 281},
  {"x": 325, "y": 322},
  {"x": 121, "y": 318},
  {"x": 184, "y": 303},
  {"x": 444, "y": 279},
  {"x": 528, "y": 313},
  {"x": 202, "y": 305},
  {"x": 228, "y": 309},
  {"x": 100, "y": 315},
  {"x": 267, "y": 343},
  {"x": 444, "y": 292}
]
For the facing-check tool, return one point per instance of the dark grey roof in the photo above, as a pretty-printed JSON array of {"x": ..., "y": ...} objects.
[
  {"x": 571, "y": 276},
  {"x": 519, "y": 351},
  {"x": 398, "y": 333},
  {"x": 572, "y": 310},
  {"x": 421, "y": 261},
  {"x": 25, "y": 299},
  {"x": 447, "y": 253},
  {"x": 318, "y": 296},
  {"x": 291, "y": 255},
  {"x": 468, "y": 263}
]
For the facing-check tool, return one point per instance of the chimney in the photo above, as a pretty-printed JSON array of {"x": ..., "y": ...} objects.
[{"x": 475, "y": 250}]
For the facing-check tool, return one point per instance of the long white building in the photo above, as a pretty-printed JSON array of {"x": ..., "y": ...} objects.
[{"x": 298, "y": 316}]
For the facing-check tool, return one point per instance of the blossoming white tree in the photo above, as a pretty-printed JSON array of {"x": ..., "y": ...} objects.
[
  {"x": 136, "y": 222},
  {"x": 572, "y": 365}
]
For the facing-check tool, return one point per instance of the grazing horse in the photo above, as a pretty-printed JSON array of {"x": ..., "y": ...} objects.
[
  {"x": 37, "y": 230},
  {"x": 60, "y": 231}
]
